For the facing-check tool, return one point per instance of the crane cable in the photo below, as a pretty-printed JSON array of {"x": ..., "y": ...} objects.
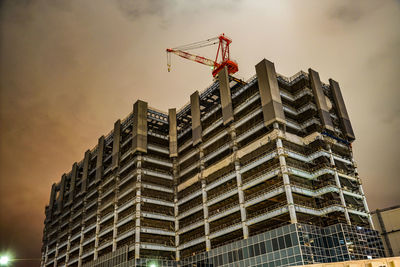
[
  {"x": 197, "y": 44},
  {"x": 191, "y": 46}
]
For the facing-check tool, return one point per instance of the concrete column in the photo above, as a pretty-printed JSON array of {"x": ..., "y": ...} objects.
[
  {"x": 116, "y": 155},
  {"x": 204, "y": 199},
  {"x": 69, "y": 235},
  {"x": 60, "y": 200},
  {"x": 116, "y": 145},
  {"x": 320, "y": 99},
  {"x": 73, "y": 182},
  {"x": 271, "y": 101},
  {"x": 115, "y": 229},
  {"x": 82, "y": 234},
  {"x": 173, "y": 135},
  {"x": 371, "y": 223},
  {"x": 341, "y": 108},
  {"x": 362, "y": 193},
  {"x": 196, "y": 121},
  {"x": 338, "y": 184},
  {"x": 175, "y": 167},
  {"x": 99, "y": 160},
  {"x": 68, "y": 248},
  {"x": 81, "y": 246},
  {"x": 51, "y": 203},
  {"x": 85, "y": 173},
  {"x": 286, "y": 181},
  {"x": 46, "y": 256},
  {"x": 139, "y": 127},
  {"x": 226, "y": 98},
  {"x": 243, "y": 213},
  {"x": 98, "y": 215},
  {"x": 138, "y": 207},
  {"x": 56, "y": 255}
]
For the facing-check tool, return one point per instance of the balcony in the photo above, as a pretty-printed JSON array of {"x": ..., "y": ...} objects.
[
  {"x": 190, "y": 239},
  {"x": 263, "y": 191},
  {"x": 158, "y": 173},
  {"x": 222, "y": 194},
  {"x": 265, "y": 173},
  {"x": 156, "y": 231},
  {"x": 157, "y": 201},
  {"x": 187, "y": 226},
  {"x": 157, "y": 247},
  {"x": 267, "y": 213},
  {"x": 189, "y": 193},
  {"x": 226, "y": 228},
  {"x": 157, "y": 160},
  {"x": 318, "y": 210},
  {"x": 223, "y": 211},
  {"x": 157, "y": 216}
]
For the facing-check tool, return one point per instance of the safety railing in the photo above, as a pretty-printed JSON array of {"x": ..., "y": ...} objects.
[
  {"x": 267, "y": 209},
  {"x": 223, "y": 208},
  {"x": 224, "y": 225},
  {"x": 263, "y": 191},
  {"x": 262, "y": 172}
]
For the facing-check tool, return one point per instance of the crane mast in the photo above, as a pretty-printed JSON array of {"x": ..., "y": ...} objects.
[{"x": 223, "y": 50}]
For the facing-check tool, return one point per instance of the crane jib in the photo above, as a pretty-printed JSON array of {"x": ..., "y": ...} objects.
[{"x": 223, "y": 47}]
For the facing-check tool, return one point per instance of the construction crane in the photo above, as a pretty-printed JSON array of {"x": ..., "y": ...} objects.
[{"x": 217, "y": 65}]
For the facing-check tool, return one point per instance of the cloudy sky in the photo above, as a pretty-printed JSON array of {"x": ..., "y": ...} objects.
[{"x": 69, "y": 69}]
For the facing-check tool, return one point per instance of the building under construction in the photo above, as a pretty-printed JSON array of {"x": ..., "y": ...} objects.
[{"x": 256, "y": 173}]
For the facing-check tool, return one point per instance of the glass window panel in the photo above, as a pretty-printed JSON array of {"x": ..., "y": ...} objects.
[
  {"x": 275, "y": 244},
  {"x": 240, "y": 253},
  {"x": 294, "y": 239},
  {"x": 256, "y": 250},
  {"x": 262, "y": 248},
  {"x": 268, "y": 246},
  {"x": 281, "y": 242},
  {"x": 251, "y": 251},
  {"x": 288, "y": 241},
  {"x": 230, "y": 257}
]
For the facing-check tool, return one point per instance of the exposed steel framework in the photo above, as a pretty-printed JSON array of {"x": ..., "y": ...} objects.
[{"x": 223, "y": 54}]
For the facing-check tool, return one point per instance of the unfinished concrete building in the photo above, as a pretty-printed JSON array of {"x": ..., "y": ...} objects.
[{"x": 256, "y": 173}]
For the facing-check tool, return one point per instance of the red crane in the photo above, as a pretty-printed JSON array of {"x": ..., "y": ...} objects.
[{"x": 223, "y": 47}]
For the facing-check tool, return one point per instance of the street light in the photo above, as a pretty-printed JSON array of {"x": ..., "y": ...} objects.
[
  {"x": 7, "y": 258},
  {"x": 4, "y": 260},
  {"x": 153, "y": 264}
]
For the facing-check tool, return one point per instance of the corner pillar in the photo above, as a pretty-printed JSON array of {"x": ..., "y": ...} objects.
[
  {"x": 138, "y": 201},
  {"x": 271, "y": 101},
  {"x": 226, "y": 98},
  {"x": 338, "y": 184},
  {"x": 286, "y": 180},
  {"x": 139, "y": 129},
  {"x": 320, "y": 99}
]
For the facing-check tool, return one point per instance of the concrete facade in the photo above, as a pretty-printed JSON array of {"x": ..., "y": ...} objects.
[
  {"x": 387, "y": 222},
  {"x": 241, "y": 159}
]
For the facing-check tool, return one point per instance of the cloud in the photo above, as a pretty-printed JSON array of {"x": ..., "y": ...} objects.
[{"x": 134, "y": 9}]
